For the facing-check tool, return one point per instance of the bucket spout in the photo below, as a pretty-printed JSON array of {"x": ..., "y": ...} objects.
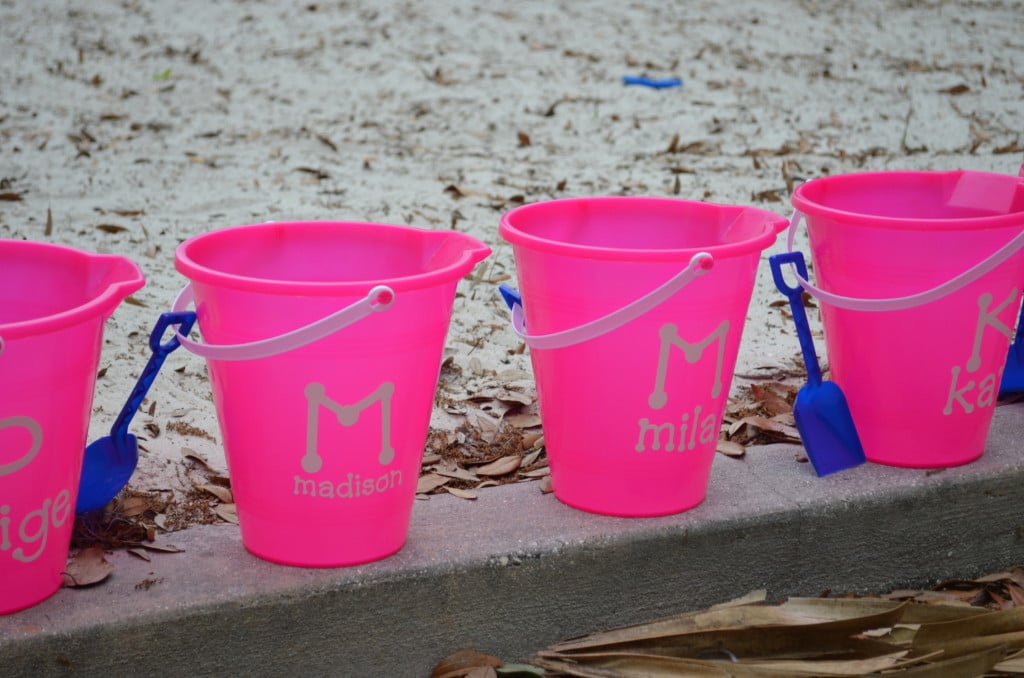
[
  {"x": 110, "y": 280},
  {"x": 741, "y": 223},
  {"x": 59, "y": 287},
  {"x": 987, "y": 194},
  {"x": 453, "y": 250}
]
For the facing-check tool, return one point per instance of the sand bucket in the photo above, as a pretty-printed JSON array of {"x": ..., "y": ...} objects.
[
  {"x": 324, "y": 343},
  {"x": 920, "y": 277},
  {"x": 633, "y": 370},
  {"x": 53, "y": 303}
]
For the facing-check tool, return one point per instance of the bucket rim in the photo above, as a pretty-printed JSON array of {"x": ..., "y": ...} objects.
[
  {"x": 475, "y": 251},
  {"x": 814, "y": 208},
  {"x": 774, "y": 224},
  {"x": 131, "y": 279}
]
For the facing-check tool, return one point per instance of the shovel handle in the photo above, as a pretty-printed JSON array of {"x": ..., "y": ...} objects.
[
  {"x": 796, "y": 304},
  {"x": 183, "y": 321}
]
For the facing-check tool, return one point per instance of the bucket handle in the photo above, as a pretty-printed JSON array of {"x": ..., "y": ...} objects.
[
  {"x": 380, "y": 298},
  {"x": 910, "y": 301},
  {"x": 700, "y": 263}
]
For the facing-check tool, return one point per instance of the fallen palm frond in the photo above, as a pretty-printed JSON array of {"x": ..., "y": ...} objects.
[{"x": 959, "y": 628}]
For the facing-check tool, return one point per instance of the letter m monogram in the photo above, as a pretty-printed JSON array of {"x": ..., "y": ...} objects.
[
  {"x": 347, "y": 415},
  {"x": 668, "y": 337}
]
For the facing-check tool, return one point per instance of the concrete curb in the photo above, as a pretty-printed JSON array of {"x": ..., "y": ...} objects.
[{"x": 517, "y": 570}]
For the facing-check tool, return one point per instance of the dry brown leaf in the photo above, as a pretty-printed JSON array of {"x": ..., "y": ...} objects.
[
  {"x": 11, "y": 196},
  {"x": 974, "y": 664},
  {"x": 189, "y": 453},
  {"x": 1012, "y": 147},
  {"x": 461, "y": 494},
  {"x": 140, "y": 553},
  {"x": 460, "y": 663},
  {"x": 162, "y": 548},
  {"x": 530, "y": 438},
  {"x": 327, "y": 142},
  {"x": 524, "y": 138},
  {"x": 457, "y": 473},
  {"x": 766, "y": 424},
  {"x": 546, "y": 487},
  {"x": 454, "y": 191},
  {"x": 429, "y": 482},
  {"x": 485, "y": 423},
  {"x": 770, "y": 397},
  {"x": 1012, "y": 664},
  {"x": 740, "y": 628},
  {"x": 730, "y": 449},
  {"x": 111, "y": 228},
  {"x": 314, "y": 172},
  {"x": 87, "y": 567},
  {"x": 222, "y": 493},
  {"x": 913, "y": 613},
  {"x": 1016, "y": 595},
  {"x": 529, "y": 459},
  {"x": 974, "y": 633},
  {"x": 523, "y": 421},
  {"x": 133, "y": 506},
  {"x": 630, "y": 664},
  {"x": 502, "y": 394},
  {"x": 500, "y": 467},
  {"x": 755, "y": 597},
  {"x": 537, "y": 473},
  {"x": 956, "y": 90},
  {"x": 227, "y": 512}
]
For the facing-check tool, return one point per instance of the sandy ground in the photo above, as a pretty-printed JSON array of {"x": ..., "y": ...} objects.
[{"x": 137, "y": 124}]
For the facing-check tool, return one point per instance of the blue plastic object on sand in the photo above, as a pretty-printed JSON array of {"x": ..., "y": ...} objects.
[
  {"x": 821, "y": 411},
  {"x": 1013, "y": 373},
  {"x": 111, "y": 460},
  {"x": 656, "y": 83}
]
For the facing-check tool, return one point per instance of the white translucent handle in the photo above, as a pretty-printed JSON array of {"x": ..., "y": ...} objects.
[
  {"x": 913, "y": 300},
  {"x": 700, "y": 263},
  {"x": 379, "y": 299}
]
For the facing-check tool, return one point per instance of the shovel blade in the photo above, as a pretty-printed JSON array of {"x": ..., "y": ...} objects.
[
  {"x": 826, "y": 428},
  {"x": 1013, "y": 373},
  {"x": 106, "y": 468}
]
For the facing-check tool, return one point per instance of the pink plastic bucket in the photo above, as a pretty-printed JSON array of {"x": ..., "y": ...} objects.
[
  {"x": 921, "y": 374},
  {"x": 53, "y": 303},
  {"x": 632, "y": 371},
  {"x": 324, "y": 441}
]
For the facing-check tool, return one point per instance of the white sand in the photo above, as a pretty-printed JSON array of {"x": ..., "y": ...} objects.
[{"x": 210, "y": 114}]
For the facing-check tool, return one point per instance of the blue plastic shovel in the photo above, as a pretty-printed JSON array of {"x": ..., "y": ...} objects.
[
  {"x": 111, "y": 460},
  {"x": 821, "y": 411},
  {"x": 1013, "y": 373}
]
